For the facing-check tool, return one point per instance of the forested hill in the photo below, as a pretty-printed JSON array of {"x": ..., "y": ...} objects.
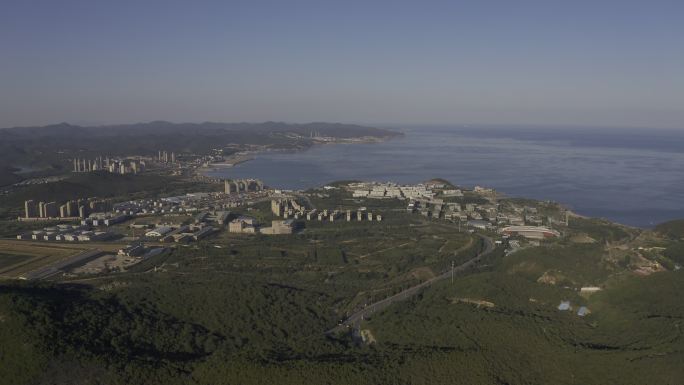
[{"x": 47, "y": 147}]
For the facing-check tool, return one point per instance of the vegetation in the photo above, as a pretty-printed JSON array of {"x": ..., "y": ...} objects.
[
  {"x": 524, "y": 338},
  {"x": 601, "y": 230},
  {"x": 254, "y": 309},
  {"x": 675, "y": 252},
  {"x": 672, "y": 229},
  {"x": 48, "y": 150},
  {"x": 570, "y": 265}
]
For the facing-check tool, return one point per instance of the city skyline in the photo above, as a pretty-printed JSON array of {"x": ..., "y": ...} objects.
[{"x": 581, "y": 63}]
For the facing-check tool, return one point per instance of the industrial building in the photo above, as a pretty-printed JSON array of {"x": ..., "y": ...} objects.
[
  {"x": 159, "y": 232},
  {"x": 530, "y": 232}
]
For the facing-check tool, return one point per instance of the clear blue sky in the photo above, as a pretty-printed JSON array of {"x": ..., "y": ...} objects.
[{"x": 600, "y": 62}]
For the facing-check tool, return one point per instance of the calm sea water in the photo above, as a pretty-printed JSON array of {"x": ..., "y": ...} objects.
[{"x": 635, "y": 177}]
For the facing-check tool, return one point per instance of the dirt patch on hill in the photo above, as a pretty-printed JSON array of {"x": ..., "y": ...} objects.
[{"x": 471, "y": 301}]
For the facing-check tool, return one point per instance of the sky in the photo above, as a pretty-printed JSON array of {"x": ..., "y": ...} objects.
[{"x": 586, "y": 63}]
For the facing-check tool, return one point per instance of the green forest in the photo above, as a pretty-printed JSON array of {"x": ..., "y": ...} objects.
[{"x": 255, "y": 310}]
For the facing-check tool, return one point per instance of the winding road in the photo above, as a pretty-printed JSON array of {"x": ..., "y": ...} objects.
[{"x": 354, "y": 320}]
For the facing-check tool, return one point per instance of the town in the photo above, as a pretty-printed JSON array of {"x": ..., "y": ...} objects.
[{"x": 248, "y": 206}]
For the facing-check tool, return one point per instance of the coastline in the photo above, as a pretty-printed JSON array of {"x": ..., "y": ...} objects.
[{"x": 246, "y": 156}]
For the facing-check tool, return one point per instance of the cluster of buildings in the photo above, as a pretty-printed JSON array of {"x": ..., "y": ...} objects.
[
  {"x": 66, "y": 232},
  {"x": 115, "y": 166},
  {"x": 180, "y": 233},
  {"x": 243, "y": 224},
  {"x": 188, "y": 203},
  {"x": 236, "y": 186},
  {"x": 433, "y": 201},
  {"x": 290, "y": 208},
  {"x": 204, "y": 223},
  {"x": 390, "y": 190},
  {"x": 248, "y": 225},
  {"x": 79, "y": 208},
  {"x": 511, "y": 221},
  {"x": 166, "y": 157},
  {"x": 104, "y": 219}
]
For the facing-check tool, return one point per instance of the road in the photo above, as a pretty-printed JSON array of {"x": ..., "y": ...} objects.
[{"x": 354, "y": 320}]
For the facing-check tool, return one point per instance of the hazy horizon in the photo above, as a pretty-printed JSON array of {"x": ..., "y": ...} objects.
[
  {"x": 392, "y": 126},
  {"x": 588, "y": 64}
]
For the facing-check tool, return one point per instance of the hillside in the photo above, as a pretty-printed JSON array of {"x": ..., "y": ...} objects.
[
  {"x": 671, "y": 229},
  {"x": 254, "y": 309},
  {"x": 49, "y": 148}
]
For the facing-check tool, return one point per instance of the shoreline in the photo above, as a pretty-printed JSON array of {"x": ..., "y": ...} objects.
[
  {"x": 246, "y": 156},
  {"x": 344, "y": 169}
]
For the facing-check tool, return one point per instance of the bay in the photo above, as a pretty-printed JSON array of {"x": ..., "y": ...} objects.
[{"x": 634, "y": 177}]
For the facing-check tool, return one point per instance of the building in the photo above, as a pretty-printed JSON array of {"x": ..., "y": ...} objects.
[
  {"x": 243, "y": 185},
  {"x": 51, "y": 210},
  {"x": 31, "y": 209},
  {"x": 63, "y": 211},
  {"x": 104, "y": 219},
  {"x": 530, "y": 232},
  {"x": 479, "y": 224},
  {"x": 230, "y": 187},
  {"x": 202, "y": 233},
  {"x": 277, "y": 208},
  {"x": 590, "y": 289},
  {"x": 159, "y": 232},
  {"x": 243, "y": 224},
  {"x": 132, "y": 250},
  {"x": 72, "y": 208},
  {"x": 279, "y": 227}
]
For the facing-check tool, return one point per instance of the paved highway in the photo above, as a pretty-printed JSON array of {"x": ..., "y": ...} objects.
[{"x": 355, "y": 319}]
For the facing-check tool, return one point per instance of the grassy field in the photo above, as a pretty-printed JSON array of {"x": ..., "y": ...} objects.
[
  {"x": 9, "y": 260},
  {"x": 31, "y": 255}
]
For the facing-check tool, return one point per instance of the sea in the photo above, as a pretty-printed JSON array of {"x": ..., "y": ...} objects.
[{"x": 630, "y": 176}]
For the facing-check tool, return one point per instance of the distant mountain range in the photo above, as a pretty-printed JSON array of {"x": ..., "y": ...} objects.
[
  {"x": 337, "y": 130},
  {"x": 47, "y": 148}
]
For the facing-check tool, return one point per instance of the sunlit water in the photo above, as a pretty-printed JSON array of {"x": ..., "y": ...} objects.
[{"x": 631, "y": 179}]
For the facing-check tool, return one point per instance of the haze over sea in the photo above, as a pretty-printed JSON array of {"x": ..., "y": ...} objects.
[{"x": 634, "y": 177}]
